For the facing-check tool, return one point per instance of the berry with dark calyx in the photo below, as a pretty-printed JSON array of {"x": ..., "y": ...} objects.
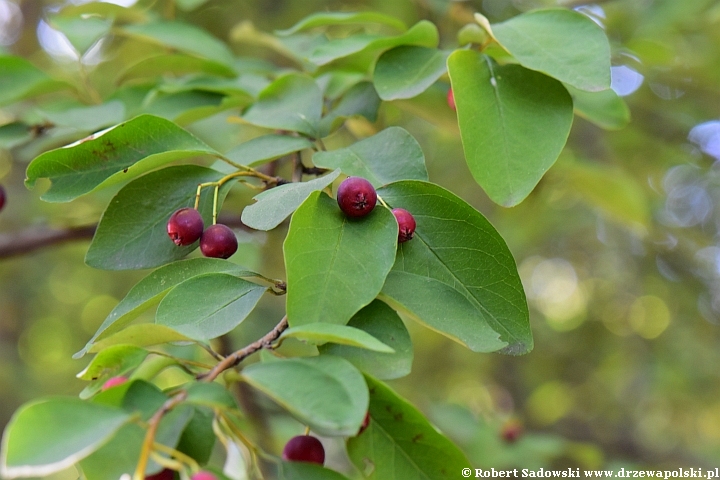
[
  {"x": 511, "y": 431},
  {"x": 113, "y": 382},
  {"x": 166, "y": 474},
  {"x": 218, "y": 241},
  {"x": 451, "y": 99},
  {"x": 203, "y": 475},
  {"x": 356, "y": 197},
  {"x": 406, "y": 224},
  {"x": 304, "y": 448},
  {"x": 365, "y": 423},
  {"x": 185, "y": 226}
]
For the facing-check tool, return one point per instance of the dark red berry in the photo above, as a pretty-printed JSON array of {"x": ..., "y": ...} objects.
[
  {"x": 113, "y": 382},
  {"x": 218, "y": 241},
  {"x": 365, "y": 423},
  {"x": 166, "y": 474},
  {"x": 185, "y": 226},
  {"x": 406, "y": 224},
  {"x": 304, "y": 448},
  {"x": 203, "y": 475},
  {"x": 511, "y": 431},
  {"x": 451, "y": 99},
  {"x": 356, "y": 197},
  {"x": 2, "y": 197}
]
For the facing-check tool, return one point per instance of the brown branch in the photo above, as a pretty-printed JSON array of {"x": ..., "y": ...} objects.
[
  {"x": 31, "y": 239},
  {"x": 238, "y": 356}
]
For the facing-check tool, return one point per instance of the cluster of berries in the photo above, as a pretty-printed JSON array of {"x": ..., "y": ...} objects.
[{"x": 186, "y": 226}]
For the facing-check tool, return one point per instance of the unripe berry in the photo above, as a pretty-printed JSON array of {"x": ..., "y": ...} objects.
[
  {"x": 166, "y": 474},
  {"x": 2, "y": 197},
  {"x": 356, "y": 197},
  {"x": 185, "y": 226},
  {"x": 451, "y": 99},
  {"x": 218, "y": 241},
  {"x": 203, "y": 475},
  {"x": 406, "y": 224},
  {"x": 113, "y": 382},
  {"x": 304, "y": 448},
  {"x": 511, "y": 431}
]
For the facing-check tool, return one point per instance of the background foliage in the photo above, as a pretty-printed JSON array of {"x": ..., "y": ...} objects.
[{"x": 616, "y": 245}]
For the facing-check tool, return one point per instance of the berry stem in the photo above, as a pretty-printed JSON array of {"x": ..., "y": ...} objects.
[
  {"x": 383, "y": 202},
  {"x": 307, "y": 430},
  {"x": 215, "y": 203},
  {"x": 187, "y": 460}
]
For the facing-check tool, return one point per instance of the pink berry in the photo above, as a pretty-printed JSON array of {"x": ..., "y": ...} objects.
[
  {"x": 113, "y": 382},
  {"x": 406, "y": 224},
  {"x": 451, "y": 99},
  {"x": 203, "y": 475},
  {"x": 218, "y": 241},
  {"x": 356, "y": 197},
  {"x": 185, "y": 226},
  {"x": 304, "y": 448}
]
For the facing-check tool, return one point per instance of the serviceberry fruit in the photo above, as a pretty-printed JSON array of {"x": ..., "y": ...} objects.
[
  {"x": 406, "y": 224},
  {"x": 2, "y": 197},
  {"x": 365, "y": 423},
  {"x": 203, "y": 475},
  {"x": 356, "y": 197},
  {"x": 185, "y": 226},
  {"x": 113, "y": 382},
  {"x": 218, "y": 241},
  {"x": 451, "y": 99},
  {"x": 166, "y": 474},
  {"x": 511, "y": 431},
  {"x": 304, "y": 448}
]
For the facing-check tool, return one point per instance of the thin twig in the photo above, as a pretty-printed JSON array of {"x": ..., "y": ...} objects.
[{"x": 238, "y": 356}]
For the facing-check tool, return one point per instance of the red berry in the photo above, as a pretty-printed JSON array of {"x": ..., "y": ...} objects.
[
  {"x": 406, "y": 224},
  {"x": 218, "y": 241},
  {"x": 304, "y": 448},
  {"x": 185, "y": 226},
  {"x": 166, "y": 474},
  {"x": 365, "y": 424},
  {"x": 2, "y": 197},
  {"x": 356, "y": 197},
  {"x": 203, "y": 475},
  {"x": 451, "y": 99},
  {"x": 113, "y": 382},
  {"x": 511, "y": 431}
]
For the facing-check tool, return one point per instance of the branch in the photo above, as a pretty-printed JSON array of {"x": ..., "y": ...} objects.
[
  {"x": 238, "y": 356},
  {"x": 31, "y": 239}
]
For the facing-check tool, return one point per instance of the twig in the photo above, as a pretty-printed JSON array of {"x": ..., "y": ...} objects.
[{"x": 238, "y": 356}]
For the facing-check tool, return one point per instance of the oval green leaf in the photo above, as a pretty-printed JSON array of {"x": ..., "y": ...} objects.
[
  {"x": 559, "y": 42},
  {"x": 176, "y": 64},
  {"x": 335, "y": 265},
  {"x": 393, "y": 154},
  {"x": 211, "y": 395},
  {"x": 82, "y": 32},
  {"x": 273, "y": 206},
  {"x": 407, "y": 71},
  {"x": 50, "y": 435},
  {"x": 360, "y": 100},
  {"x": 400, "y": 443},
  {"x": 294, "y": 384},
  {"x": 513, "y": 122},
  {"x": 142, "y": 335},
  {"x": 321, "y": 333},
  {"x": 208, "y": 306},
  {"x": 112, "y": 156},
  {"x": 324, "y": 19},
  {"x": 268, "y": 147},
  {"x": 606, "y": 109},
  {"x": 20, "y": 79},
  {"x": 88, "y": 118},
  {"x": 132, "y": 233},
  {"x": 457, "y": 275}
]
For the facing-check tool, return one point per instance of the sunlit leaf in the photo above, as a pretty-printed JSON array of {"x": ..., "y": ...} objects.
[
  {"x": 343, "y": 18},
  {"x": 405, "y": 72},
  {"x": 321, "y": 333}
]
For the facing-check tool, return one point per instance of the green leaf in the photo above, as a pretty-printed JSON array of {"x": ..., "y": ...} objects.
[
  {"x": 151, "y": 289},
  {"x": 266, "y": 148},
  {"x": 321, "y": 333},
  {"x": 275, "y": 205},
  {"x": 380, "y": 321},
  {"x": 361, "y": 99},
  {"x": 292, "y": 102},
  {"x": 20, "y": 79},
  {"x": 132, "y": 233},
  {"x": 198, "y": 439},
  {"x": 405, "y": 72},
  {"x": 393, "y": 154},
  {"x": 335, "y": 265},
  {"x": 117, "y": 457},
  {"x": 562, "y": 43},
  {"x": 89, "y": 118},
  {"x": 211, "y": 395},
  {"x": 14, "y": 134},
  {"x": 294, "y": 384},
  {"x": 305, "y": 471},
  {"x": 457, "y": 275},
  {"x": 176, "y": 64},
  {"x": 50, "y": 435},
  {"x": 184, "y": 37},
  {"x": 113, "y": 156},
  {"x": 513, "y": 122},
  {"x": 605, "y": 108},
  {"x": 342, "y": 18},
  {"x": 142, "y": 335},
  {"x": 423, "y": 33},
  {"x": 190, "y": 5},
  {"x": 209, "y": 305},
  {"x": 82, "y": 31},
  {"x": 104, "y": 9},
  {"x": 113, "y": 361},
  {"x": 400, "y": 443}
]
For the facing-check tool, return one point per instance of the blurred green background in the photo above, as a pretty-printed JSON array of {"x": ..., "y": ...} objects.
[{"x": 617, "y": 246}]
